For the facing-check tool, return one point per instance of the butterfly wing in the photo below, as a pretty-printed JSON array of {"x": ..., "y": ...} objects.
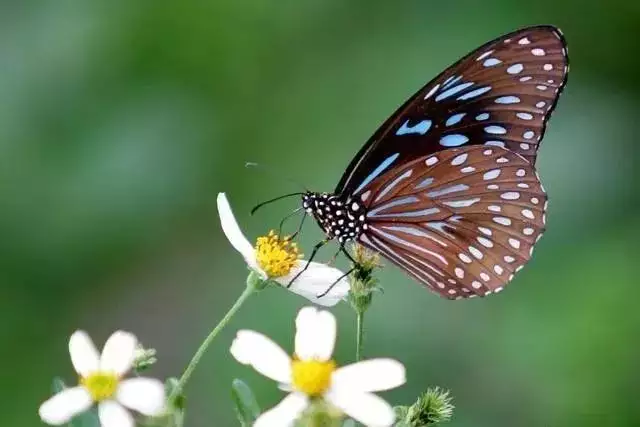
[
  {"x": 501, "y": 94},
  {"x": 462, "y": 221}
]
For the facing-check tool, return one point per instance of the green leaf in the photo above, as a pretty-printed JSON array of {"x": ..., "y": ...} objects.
[
  {"x": 246, "y": 406},
  {"x": 86, "y": 419},
  {"x": 58, "y": 385},
  {"x": 349, "y": 423}
]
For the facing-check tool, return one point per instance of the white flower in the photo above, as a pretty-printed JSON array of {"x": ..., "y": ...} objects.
[
  {"x": 313, "y": 374},
  {"x": 101, "y": 382},
  {"x": 278, "y": 259}
]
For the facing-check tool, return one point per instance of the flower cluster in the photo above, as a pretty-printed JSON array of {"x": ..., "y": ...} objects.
[{"x": 319, "y": 391}]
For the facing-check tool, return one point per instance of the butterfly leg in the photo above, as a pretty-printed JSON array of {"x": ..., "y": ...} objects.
[
  {"x": 335, "y": 283},
  {"x": 297, "y": 233},
  {"x": 282, "y": 222},
  {"x": 348, "y": 255},
  {"x": 316, "y": 248}
]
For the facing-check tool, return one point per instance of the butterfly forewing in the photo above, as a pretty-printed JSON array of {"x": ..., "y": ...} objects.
[
  {"x": 462, "y": 221},
  {"x": 499, "y": 95}
]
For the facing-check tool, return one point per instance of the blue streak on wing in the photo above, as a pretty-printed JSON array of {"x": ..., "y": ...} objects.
[
  {"x": 452, "y": 91},
  {"x": 421, "y": 128},
  {"x": 377, "y": 171}
]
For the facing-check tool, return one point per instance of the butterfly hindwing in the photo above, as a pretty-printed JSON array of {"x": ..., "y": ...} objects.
[
  {"x": 500, "y": 94},
  {"x": 462, "y": 221}
]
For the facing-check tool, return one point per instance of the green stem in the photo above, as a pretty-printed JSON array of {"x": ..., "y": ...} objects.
[
  {"x": 359, "y": 333},
  {"x": 208, "y": 340}
]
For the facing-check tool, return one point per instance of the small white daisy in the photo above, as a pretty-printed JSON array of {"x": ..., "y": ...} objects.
[
  {"x": 101, "y": 382},
  {"x": 278, "y": 259},
  {"x": 312, "y": 374}
]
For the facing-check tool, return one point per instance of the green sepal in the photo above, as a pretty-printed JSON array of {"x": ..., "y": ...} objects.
[
  {"x": 244, "y": 402},
  {"x": 177, "y": 405},
  {"x": 86, "y": 419}
]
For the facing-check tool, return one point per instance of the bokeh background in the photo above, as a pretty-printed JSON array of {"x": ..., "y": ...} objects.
[{"x": 120, "y": 121}]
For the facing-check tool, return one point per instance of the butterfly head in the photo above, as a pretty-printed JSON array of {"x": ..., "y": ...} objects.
[{"x": 340, "y": 219}]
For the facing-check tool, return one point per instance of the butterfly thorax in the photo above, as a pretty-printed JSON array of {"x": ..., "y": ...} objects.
[{"x": 342, "y": 219}]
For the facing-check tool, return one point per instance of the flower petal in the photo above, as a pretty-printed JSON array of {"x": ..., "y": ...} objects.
[
  {"x": 60, "y": 408},
  {"x": 145, "y": 395},
  {"x": 315, "y": 334},
  {"x": 235, "y": 236},
  {"x": 84, "y": 355},
  {"x": 264, "y": 355},
  {"x": 370, "y": 375},
  {"x": 315, "y": 281},
  {"x": 285, "y": 413},
  {"x": 113, "y": 414},
  {"x": 118, "y": 353},
  {"x": 367, "y": 408}
]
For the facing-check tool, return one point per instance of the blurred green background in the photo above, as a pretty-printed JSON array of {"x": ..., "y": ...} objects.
[{"x": 120, "y": 122}]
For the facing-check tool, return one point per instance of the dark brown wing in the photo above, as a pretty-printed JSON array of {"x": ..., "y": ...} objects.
[
  {"x": 500, "y": 94},
  {"x": 462, "y": 221}
]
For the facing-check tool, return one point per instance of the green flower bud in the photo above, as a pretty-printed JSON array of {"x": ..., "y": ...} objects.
[
  {"x": 432, "y": 407},
  {"x": 144, "y": 358},
  {"x": 320, "y": 414},
  {"x": 363, "y": 283}
]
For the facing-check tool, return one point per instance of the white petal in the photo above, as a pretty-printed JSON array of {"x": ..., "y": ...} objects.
[
  {"x": 118, "y": 353},
  {"x": 84, "y": 355},
  {"x": 315, "y": 334},
  {"x": 235, "y": 236},
  {"x": 65, "y": 405},
  {"x": 370, "y": 375},
  {"x": 145, "y": 395},
  {"x": 367, "y": 408},
  {"x": 264, "y": 355},
  {"x": 113, "y": 414},
  {"x": 314, "y": 281},
  {"x": 285, "y": 413}
]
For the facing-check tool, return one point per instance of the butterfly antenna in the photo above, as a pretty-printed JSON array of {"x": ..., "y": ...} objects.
[
  {"x": 259, "y": 205},
  {"x": 273, "y": 174}
]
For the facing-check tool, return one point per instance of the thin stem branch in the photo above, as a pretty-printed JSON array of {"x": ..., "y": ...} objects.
[
  {"x": 207, "y": 342},
  {"x": 359, "y": 334}
]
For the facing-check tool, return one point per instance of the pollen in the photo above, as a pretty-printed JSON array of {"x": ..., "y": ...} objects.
[
  {"x": 275, "y": 255},
  {"x": 312, "y": 377},
  {"x": 100, "y": 385}
]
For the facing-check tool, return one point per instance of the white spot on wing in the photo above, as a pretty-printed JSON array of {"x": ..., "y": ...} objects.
[
  {"x": 492, "y": 174},
  {"x": 507, "y": 100},
  {"x": 515, "y": 243},
  {"x": 510, "y": 195},
  {"x": 491, "y": 62},
  {"x": 515, "y": 69},
  {"x": 459, "y": 159}
]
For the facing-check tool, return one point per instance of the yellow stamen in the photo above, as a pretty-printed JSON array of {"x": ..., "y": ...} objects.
[
  {"x": 276, "y": 256},
  {"x": 101, "y": 385},
  {"x": 312, "y": 377}
]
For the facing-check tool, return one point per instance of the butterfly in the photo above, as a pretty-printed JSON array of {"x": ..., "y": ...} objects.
[{"x": 446, "y": 188}]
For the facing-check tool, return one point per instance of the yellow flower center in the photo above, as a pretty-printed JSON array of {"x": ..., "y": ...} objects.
[
  {"x": 276, "y": 256},
  {"x": 101, "y": 385},
  {"x": 312, "y": 377}
]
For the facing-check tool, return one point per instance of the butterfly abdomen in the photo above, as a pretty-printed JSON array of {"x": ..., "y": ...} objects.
[{"x": 343, "y": 220}]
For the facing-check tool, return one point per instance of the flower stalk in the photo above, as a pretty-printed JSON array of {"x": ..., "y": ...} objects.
[
  {"x": 252, "y": 286},
  {"x": 362, "y": 286}
]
